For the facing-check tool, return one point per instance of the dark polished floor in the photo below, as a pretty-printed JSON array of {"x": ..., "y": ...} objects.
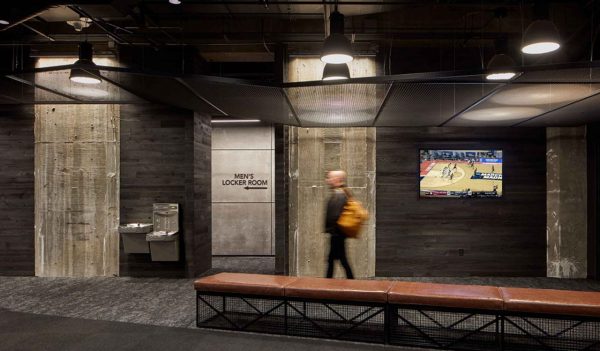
[
  {"x": 152, "y": 313},
  {"x": 27, "y": 332}
]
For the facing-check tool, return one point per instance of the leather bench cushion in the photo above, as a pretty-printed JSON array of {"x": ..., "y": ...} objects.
[
  {"x": 446, "y": 295},
  {"x": 339, "y": 289},
  {"x": 580, "y": 303},
  {"x": 239, "y": 283}
]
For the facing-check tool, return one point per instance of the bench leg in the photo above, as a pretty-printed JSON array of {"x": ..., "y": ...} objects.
[{"x": 390, "y": 321}]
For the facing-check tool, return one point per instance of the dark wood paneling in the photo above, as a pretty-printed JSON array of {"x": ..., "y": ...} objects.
[
  {"x": 593, "y": 174},
  {"x": 200, "y": 257},
  {"x": 281, "y": 200},
  {"x": 17, "y": 252},
  {"x": 157, "y": 165},
  {"x": 461, "y": 237}
]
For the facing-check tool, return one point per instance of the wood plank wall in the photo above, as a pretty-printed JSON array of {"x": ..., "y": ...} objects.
[
  {"x": 593, "y": 208},
  {"x": 156, "y": 166},
  {"x": 17, "y": 253},
  {"x": 200, "y": 256},
  {"x": 424, "y": 237},
  {"x": 281, "y": 200}
]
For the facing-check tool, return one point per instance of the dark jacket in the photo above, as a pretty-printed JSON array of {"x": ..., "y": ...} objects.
[{"x": 335, "y": 206}]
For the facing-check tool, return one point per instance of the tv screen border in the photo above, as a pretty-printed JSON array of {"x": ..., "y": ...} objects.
[{"x": 459, "y": 147}]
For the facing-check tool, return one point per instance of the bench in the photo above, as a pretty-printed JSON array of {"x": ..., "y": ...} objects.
[{"x": 443, "y": 316}]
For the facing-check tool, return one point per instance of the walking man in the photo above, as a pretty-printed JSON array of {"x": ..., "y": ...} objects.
[{"x": 335, "y": 205}]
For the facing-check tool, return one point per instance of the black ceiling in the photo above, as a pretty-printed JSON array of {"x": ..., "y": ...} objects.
[{"x": 251, "y": 39}]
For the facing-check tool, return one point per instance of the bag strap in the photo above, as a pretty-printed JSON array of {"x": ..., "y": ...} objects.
[{"x": 347, "y": 192}]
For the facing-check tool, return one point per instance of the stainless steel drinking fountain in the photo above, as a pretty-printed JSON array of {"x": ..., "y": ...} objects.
[
  {"x": 164, "y": 240},
  {"x": 134, "y": 237}
]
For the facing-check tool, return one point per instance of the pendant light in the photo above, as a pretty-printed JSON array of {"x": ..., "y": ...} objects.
[
  {"x": 87, "y": 75},
  {"x": 337, "y": 49},
  {"x": 501, "y": 66},
  {"x": 336, "y": 71},
  {"x": 541, "y": 36}
]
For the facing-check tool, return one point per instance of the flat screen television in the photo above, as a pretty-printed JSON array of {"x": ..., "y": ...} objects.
[{"x": 446, "y": 173}]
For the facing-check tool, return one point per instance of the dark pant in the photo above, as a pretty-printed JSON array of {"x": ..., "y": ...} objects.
[{"x": 337, "y": 251}]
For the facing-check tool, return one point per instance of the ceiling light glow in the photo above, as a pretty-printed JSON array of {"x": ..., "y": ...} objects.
[
  {"x": 501, "y": 114},
  {"x": 4, "y": 22},
  {"x": 542, "y": 94}
]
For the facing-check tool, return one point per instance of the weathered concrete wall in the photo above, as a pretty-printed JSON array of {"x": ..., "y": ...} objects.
[
  {"x": 312, "y": 152},
  {"x": 76, "y": 187},
  {"x": 77, "y": 190},
  {"x": 566, "y": 202},
  {"x": 243, "y": 208}
]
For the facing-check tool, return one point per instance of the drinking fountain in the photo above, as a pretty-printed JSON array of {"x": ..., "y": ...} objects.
[{"x": 164, "y": 240}]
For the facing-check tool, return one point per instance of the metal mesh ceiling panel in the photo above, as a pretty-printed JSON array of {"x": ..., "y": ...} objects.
[
  {"x": 516, "y": 103},
  {"x": 429, "y": 104},
  {"x": 167, "y": 90},
  {"x": 341, "y": 105},
  {"x": 14, "y": 89},
  {"x": 573, "y": 75},
  {"x": 576, "y": 114},
  {"x": 543, "y": 96},
  {"x": 245, "y": 101},
  {"x": 53, "y": 83}
]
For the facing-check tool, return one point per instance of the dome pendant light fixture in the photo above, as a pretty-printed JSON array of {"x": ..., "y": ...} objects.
[
  {"x": 336, "y": 71},
  {"x": 500, "y": 68},
  {"x": 541, "y": 36},
  {"x": 337, "y": 49},
  {"x": 87, "y": 75}
]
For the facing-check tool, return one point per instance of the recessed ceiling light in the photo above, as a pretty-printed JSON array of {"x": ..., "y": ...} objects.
[
  {"x": 4, "y": 22},
  {"x": 175, "y": 2},
  {"x": 235, "y": 121}
]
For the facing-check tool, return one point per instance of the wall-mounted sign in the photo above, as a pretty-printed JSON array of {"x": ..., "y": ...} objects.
[
  {"x": 242, "y": 176},
  {"x": 247, "y": 180}
]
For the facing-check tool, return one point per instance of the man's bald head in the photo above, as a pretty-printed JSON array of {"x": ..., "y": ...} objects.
[{"x": 336, "y": 179}]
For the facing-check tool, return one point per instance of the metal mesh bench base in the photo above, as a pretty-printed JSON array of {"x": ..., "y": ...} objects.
[
  {"x": 443, "y": 328},
  {"x": 550, "y": 333}
]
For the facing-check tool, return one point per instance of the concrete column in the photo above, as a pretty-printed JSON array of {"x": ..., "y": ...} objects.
[
  {"x": 76, "y": 190},
  {"x": 312, "y": 152},
  {"x": 566, "y": 203},
  {"x": 76, "y": 185}
]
